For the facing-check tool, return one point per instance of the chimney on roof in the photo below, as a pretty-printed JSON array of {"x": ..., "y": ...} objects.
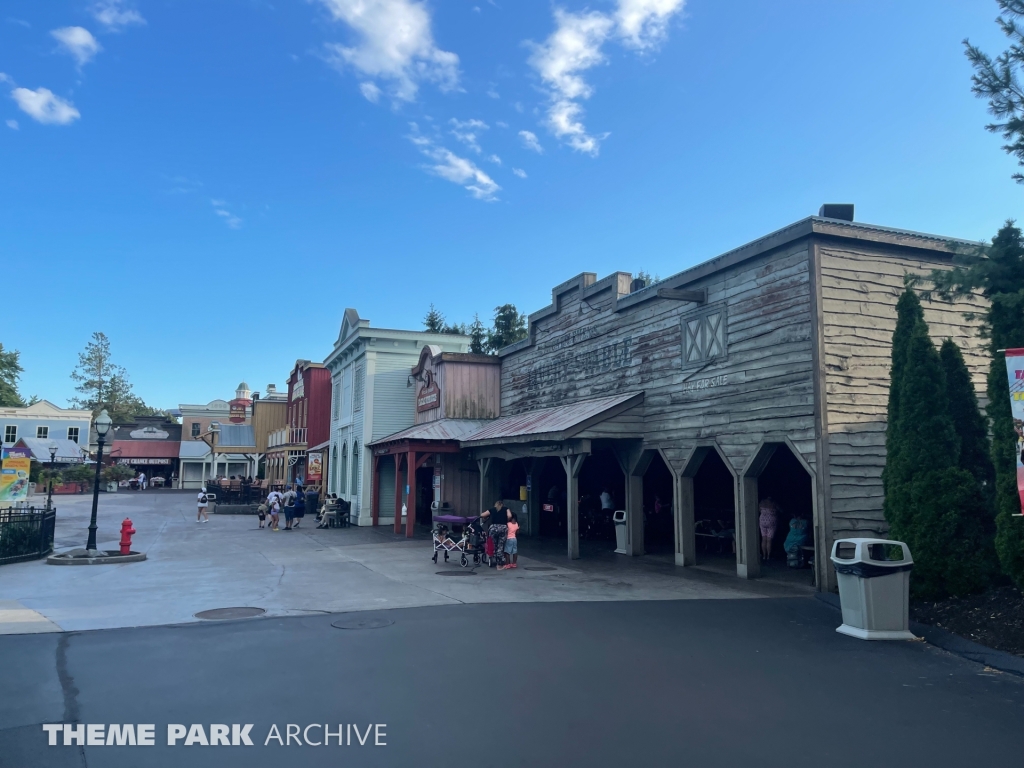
[
  {"x": 271, "y": 389},
  {"x": 638, "y": 284},
  {"x": 841, "y": 211}
]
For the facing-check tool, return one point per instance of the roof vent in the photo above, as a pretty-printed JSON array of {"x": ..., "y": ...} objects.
[
  {"x": 638, "y": 284},
  {"x": 841, "y": 211}
]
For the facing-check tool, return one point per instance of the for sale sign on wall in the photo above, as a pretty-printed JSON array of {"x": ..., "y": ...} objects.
[{"x": 1015, "y": 371}]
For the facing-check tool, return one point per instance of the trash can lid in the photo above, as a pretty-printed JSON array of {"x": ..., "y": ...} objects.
[
  {"x": 619, "y": 516},
  {"x": 880, "y": 553}
]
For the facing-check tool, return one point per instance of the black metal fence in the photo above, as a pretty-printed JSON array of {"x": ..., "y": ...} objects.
[{"x": 26, "y": 534}]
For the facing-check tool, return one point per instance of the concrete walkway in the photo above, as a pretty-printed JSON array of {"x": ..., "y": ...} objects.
[{"x": 229, "y": 562}]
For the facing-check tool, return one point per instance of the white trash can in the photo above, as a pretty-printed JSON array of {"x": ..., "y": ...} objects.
[
  {"x": 874, "y": 588},
  {"x": 619, "y": 518}
]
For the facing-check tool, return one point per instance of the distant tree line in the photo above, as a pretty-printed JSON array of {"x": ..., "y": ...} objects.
[{"x": 507, "y": 327}]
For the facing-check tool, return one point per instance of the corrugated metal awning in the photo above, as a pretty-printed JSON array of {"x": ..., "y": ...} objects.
[
  {"x": 442, "y": 429},
  {"x": 557, "y": 423}
]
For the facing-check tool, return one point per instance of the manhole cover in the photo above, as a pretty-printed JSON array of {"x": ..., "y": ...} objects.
[
  {"x": 456, "y": 573},
  {"x": 220, "y": 614},
  {"x": 363, "y": 622},
  {"x": 538, "y": 568}
]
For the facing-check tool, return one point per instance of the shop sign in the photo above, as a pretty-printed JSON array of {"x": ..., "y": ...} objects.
[
  {"x": 548, "y": 507},
  {"x": 429, "y": 396},
  {"x": 147, "y": 462},
  {"x": 148, "y": 433},
  {"x": 1015, "y": 374},
  {"x": 236, "y": 411},
  {"x": 698, "y": 385},
  {"x": 14, "y": 472},
  {"x": 314, "y": 467}
]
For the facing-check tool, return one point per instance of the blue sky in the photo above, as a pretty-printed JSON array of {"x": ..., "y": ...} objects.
[{"x": 212, "y": 183}]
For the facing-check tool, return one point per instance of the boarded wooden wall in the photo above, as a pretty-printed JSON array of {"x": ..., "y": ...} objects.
[
  {"x": 763, "y": 386},
  {"x": 860, "y": 286}
]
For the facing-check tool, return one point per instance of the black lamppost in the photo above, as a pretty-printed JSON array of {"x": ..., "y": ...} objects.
[
  {"x": 49, "y": 492},
  {"x": 103, "y": 423}
]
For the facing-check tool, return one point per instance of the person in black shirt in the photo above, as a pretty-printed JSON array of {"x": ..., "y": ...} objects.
[{"x": 497, "y": 517}]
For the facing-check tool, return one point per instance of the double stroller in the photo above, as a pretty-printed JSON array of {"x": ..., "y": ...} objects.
[{"x": 469, "y": 542}]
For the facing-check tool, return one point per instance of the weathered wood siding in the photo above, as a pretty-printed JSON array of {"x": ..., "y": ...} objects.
[
  {"x": 859, "y": 289},
  {"x": 470, "y": 390},
  {"x": 763, "y": 386}
]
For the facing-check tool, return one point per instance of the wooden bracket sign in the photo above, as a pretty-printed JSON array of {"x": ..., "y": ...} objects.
[{"x": 698, "y": 296}]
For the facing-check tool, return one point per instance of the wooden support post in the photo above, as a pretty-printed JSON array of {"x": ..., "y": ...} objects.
[
  {"x": 748, "y": 550},
  {"x": 410, "y": 520},
  {"x": 682, "y": 511},
  {"x": 375, "y": 492},
  {"x": 634, "y": 515},
  {"x": 572, "y": 466},
  {"x": 483, "y": 465},
  {"x": 398, "y": 493}
]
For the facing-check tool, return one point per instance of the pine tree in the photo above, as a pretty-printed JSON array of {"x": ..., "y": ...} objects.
[
  {"x": 509, "y": 327},
  {"x": 970, "y": 425},
  {"x": 10, "y": 372},
  {"x": 102, "y": 384},
  {"x": 434, "y": 321},
  {"x": 477, "y": 336},
  {"x": 908, "y": 315},
  {"x": 938, "y": 505},
  {"x": 998, "y": 272}
]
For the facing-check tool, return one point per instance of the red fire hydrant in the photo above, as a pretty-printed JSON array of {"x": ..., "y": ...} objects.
[{"x": 126, "y": 536}]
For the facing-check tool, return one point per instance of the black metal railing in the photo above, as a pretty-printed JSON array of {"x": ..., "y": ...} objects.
[{"x": 26, "y": 534}]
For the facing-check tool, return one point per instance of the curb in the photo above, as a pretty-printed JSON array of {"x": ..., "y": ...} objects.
[
  {"x": 947, "y": 641},
  {"x": 106, "y": 559}
]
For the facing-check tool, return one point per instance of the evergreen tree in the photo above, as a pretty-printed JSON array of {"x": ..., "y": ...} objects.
[
  {"x": 998, "y": 272},
  {"x": 434, "y": 321},
  {"x": 10, "y": 372},
  {"x": 509, "y": 327},
  {"x": 908, "y": 315},
  {"x": 936, "y": 505},
  {"x": 102, "y": 384},
  {"x": 477, "y": 336},
  {"x": 970, "y": 425},
  {"x": 456, "y": 329}
]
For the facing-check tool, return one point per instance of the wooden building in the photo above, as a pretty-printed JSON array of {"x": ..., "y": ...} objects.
[
  {"x": 762, "y": 372},
  {"x": 456, "y": 395},
  {"x": 308, "y": 422},
  {"x": 373, "y": 397}
]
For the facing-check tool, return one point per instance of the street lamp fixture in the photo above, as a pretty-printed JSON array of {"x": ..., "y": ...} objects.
[
  {"x": 103, "y": 422},
  {"x": 49, "y": 492}
]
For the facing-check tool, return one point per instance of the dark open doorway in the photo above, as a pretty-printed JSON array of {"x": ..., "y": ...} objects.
[
  {"x": 659, "y": 527},
  {"x": 714, "y": 502}
]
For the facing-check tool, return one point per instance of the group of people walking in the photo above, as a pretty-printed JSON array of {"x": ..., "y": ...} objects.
[{"x": 291, "y": 501}]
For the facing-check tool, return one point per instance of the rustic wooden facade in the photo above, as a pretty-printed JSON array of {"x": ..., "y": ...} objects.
[{"x": 782, "y": 343}]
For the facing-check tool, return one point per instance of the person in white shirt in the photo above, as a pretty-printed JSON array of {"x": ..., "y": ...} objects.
[
  {"x": 142, "y": 481},
  {"x": 204, "y": 502},
  {"x": 274, "y": 502}
]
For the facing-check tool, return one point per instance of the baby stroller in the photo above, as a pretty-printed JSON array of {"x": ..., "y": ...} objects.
[{"x": 469, "y": 544}]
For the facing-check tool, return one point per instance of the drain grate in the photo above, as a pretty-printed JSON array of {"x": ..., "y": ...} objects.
[
  {"x": 539, "y": 568},
  {"x": 363, "y": 622},
  {"x": 220, "y": 614},
  {"x": 456, "y": 573}
]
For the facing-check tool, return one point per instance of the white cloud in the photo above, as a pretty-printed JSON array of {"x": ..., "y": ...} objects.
[
  {"x": 494, "y": 159},
  {"x": 573, "y": 48},
  {"x": 643, "y": 24},
  {"x": 115, "y": 15},
  {"x": 42, "y": 105},
  {"x": 5, "y": 78},
  {"x": 519, "y": 172},
  {"x": 501, "y": 124},
  {"x": 371, "y": 91},
  {"x": 530, "y": 141},
  {"x": 233, "y": 222},
  {"x": 459, "y": 170},
  {"x": 78, "y": 41},
  {"x": 12, "y": 124},
  {"x": 576, "y": 46},
  {"x": 395, "y": 44},
  {"x": 467, "y": 131}
]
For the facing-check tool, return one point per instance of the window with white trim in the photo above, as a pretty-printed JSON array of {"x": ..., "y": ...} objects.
[
  {"x": 11, "y": 433},
  {"x": 705, "y": 336},
  {"x": 73, "y": 434},
  {"x": 42, "y": 433},
  {"x": 355, "y": 468},
  {"x": 196, "y": 426},
  {"x": 344, "y": 468}
]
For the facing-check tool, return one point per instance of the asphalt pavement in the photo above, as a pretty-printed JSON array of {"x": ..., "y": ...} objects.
[{"x": 752, "y": 682}]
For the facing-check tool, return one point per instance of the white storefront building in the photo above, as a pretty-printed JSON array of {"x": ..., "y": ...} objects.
[{"x": 372, "y": 396}]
